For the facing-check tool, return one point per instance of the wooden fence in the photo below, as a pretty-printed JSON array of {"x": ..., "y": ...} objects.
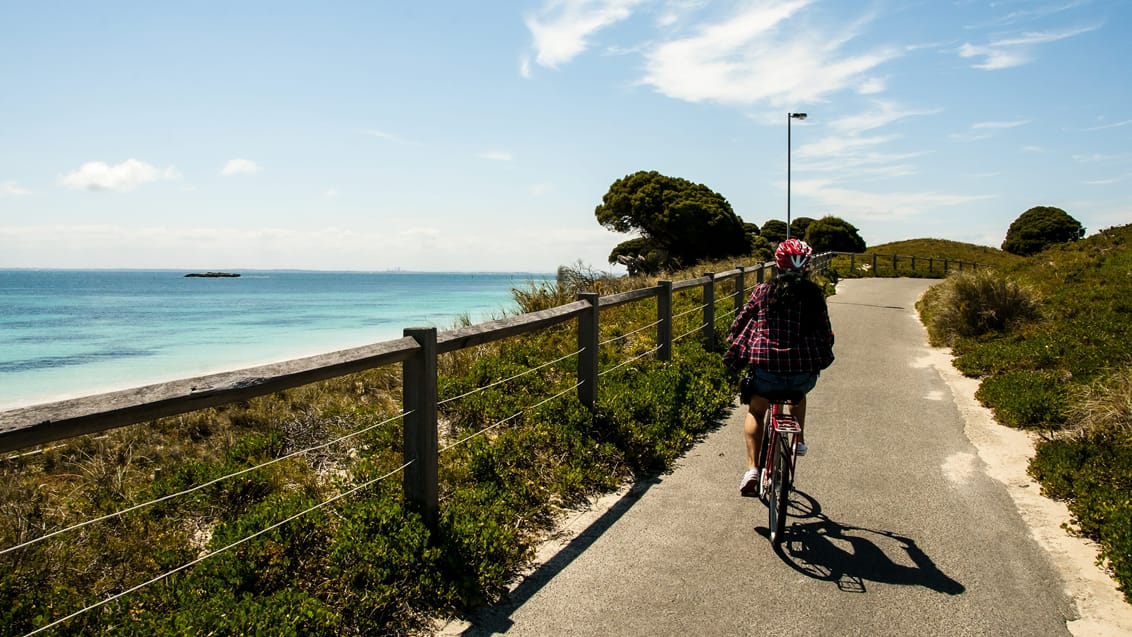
[{"x": 417, "y": 350}]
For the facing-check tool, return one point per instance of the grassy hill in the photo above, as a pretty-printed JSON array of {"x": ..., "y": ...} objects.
[{"x": 945, "y": 249}]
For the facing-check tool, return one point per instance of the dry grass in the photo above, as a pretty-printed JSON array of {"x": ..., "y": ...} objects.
[
  {"x": 1105, "y": 407},
  {"x": 976, "y": 303}
]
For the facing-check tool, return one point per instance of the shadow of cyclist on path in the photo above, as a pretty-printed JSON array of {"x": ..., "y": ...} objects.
[{"x": 851, "y": 555}]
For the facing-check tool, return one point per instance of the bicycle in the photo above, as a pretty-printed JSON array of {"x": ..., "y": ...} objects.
[{"x": 779, "y": 454}]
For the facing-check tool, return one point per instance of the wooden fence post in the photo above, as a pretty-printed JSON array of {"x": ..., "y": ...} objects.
[
  {"x": 894, "y": 268},
  {"x": 930, "y": 260},
  {"x": 418, "y": 376},
  {"x": 587, "y": 344},
  {"x": 874, "y": 264},
  {"x": 945, "y": 266},
  {"x": 664, "y": 320},
  {"x": 913, "y": 263},
  {"x": 709, "y": 311},
  {"x": 852, "y": 263},
  {"x": 740, "y": 289}
]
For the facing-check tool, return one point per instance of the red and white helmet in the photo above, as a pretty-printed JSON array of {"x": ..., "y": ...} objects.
[{"x": 793, "y": 254}]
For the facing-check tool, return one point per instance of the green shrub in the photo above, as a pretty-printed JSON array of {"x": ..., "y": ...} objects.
[
  {"x": 1040, "y": 227},
  {"x": 1092, "y": 471},
  {"x": 1026, "y": 398}
]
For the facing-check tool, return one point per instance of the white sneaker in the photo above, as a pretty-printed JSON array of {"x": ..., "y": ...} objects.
[
  {"x": 749, "y": 485},
  {"x": 802, "y": 449}
]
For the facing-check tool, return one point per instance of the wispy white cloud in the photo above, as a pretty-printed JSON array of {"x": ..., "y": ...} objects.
[
  {"x": 1106, "y": 182},
  {"x": 1095, "y": 158},
  {"x": 562, "y": 28},
  {"x": 872, "y": 86},
  {"x": 763, "y": 53},
  {"x": 1029, "y": 14},
  {"x": 852, "y": 151},
  {"x": 496, "y": 155},
  {"x": 882, "y": 114},
  {"x": 123, "y": 177},
  {"x": 865, "y": 165},
  {"x": 239, "y": 167},
  {"x": 380, "y": 134},
  {"x": 878, "y": 205},
  {"x": 1008, "y": 52},
  {"x": 12, "y": 189},
  {"x": 1008, "y": 124},
  {"x": 841, "y": 145},
  {"x": 985, "y": 130},
  {"x": 1108, "y": 126}
]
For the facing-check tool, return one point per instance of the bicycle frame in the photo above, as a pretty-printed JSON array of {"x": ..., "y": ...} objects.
[{"x": 780, "y": 453}]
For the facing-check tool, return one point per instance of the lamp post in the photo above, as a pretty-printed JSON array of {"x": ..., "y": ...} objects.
[{"x": 789, "y": 116}]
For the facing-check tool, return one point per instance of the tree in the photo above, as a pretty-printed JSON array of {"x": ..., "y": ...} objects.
[
  {"x": 774, "y": 230},
  {"x": 799, "y": 225},
  {"x": 761, "y": 249},
  {"x": 1040, "y": 227},
  {"x": 680, "y": 222},
  {"x": 637, "y": 256},
  {"x": 834, "y": 234}
]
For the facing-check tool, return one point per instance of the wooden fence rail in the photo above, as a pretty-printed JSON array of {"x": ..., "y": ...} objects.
[{"x": 417, "y": 350}]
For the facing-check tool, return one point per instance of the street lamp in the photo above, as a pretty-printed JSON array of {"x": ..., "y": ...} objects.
[{"x": 789, "y": 116}]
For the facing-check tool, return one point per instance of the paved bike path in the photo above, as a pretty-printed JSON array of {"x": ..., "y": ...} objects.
[{"x": 896, "y": 529}]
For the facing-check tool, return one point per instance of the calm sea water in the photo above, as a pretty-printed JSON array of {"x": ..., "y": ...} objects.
[{"x": 66, "y": 333}]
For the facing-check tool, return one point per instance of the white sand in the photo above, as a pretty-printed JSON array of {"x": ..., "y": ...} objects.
[{"x": 1006, "y": 452}]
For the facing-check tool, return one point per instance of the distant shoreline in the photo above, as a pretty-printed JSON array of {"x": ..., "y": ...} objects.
[{"x": 213, "y": 275}]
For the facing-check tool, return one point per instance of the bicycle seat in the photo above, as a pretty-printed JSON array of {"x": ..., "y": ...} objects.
[{"x": 784, "y": 397}]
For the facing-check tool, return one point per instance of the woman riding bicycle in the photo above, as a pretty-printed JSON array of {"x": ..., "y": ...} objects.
[{"x": 784, "y": 338}]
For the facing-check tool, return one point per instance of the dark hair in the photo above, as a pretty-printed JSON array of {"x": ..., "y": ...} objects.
[{"x": 792, "y": 288}]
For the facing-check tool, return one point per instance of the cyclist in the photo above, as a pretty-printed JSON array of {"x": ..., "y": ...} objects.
[{"x": 784, "y": 339}]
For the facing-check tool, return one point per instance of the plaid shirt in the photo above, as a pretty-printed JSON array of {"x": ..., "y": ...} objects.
[{"x": 777, "y": 341}]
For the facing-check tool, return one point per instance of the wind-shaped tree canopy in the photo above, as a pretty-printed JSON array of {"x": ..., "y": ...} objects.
[{"x": 679, "y": 222}]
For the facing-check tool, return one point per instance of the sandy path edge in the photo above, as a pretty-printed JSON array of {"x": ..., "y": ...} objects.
[{"x": 1006, "y": 454}]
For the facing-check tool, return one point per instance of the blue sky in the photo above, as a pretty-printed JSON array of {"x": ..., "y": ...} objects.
[{"x": 480, "y": 136}]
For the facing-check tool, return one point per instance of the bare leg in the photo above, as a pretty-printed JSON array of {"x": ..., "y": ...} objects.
[{"x": 753, "y": 429}]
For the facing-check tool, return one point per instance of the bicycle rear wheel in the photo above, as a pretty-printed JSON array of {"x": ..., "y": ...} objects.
[{"x": 779, "y": 499}]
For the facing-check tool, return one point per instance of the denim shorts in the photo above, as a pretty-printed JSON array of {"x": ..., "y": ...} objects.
[{"x": 758, "y": 381}]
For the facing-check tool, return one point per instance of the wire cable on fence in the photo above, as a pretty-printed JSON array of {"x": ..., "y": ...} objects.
[
  {"x": 692, "y": 331},
  {"x": 505, "y": 380},
  {"x": 624, "y": 363},
  {"x": 687, "y": 312},
  {"x": 200, "y": 486},
  {"x": 509, "y": 418},
  {"x": 628, "y": 334},
  {"x": 219, "y": 551}
]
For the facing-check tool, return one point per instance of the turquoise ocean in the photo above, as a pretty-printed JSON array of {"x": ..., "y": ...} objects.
[{"x": 69, "y": 333}]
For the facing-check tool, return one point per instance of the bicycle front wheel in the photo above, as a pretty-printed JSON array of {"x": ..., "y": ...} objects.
[{"x": 779, "y": 500}]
